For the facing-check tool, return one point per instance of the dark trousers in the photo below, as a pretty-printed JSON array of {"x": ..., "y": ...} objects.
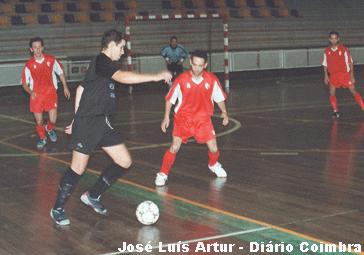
[{"x": 175, "y": 69}]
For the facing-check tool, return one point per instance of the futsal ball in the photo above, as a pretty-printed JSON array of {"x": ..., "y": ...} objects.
[{"x": 147, "y": 213}]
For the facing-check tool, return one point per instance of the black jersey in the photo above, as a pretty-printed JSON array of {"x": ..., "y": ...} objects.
[{"x": 99, "y": 97}]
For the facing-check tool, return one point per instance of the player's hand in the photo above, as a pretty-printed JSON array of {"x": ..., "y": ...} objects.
[
  {"x": 33, "y": 95},
  {"x": 165, "y": 124},
  {"x": 68, "y": 129},
  {"x": 225, "y": 119},
  {"x": 67, "y": 93},
  {"x": 164, "y": 76},
  {"x": 327, "y": 80}
]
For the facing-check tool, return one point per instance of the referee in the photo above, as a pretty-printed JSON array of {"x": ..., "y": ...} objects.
[{"x": 91, "y": 127}]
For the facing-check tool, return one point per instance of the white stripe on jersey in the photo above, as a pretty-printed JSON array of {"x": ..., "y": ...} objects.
[
  {"x": 28, "y": 78},
  {"x": 217, "y": 94},
  {"x": 57, "y": 69},
  {"x": 347, "y": 61},
  {"x": 324, "y": 60},
  {"x": 177, "y": 94}
]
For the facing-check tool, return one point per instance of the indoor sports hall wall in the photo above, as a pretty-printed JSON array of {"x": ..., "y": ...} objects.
[{"x": 255, "y": 42}]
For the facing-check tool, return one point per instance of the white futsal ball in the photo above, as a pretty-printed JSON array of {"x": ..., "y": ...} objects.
[{"x": 147, "y": 213}]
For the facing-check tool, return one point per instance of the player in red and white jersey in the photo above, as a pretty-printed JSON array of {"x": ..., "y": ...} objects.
[
  {"x": 339, "y": 71},
  {"x": 196, "y": 91},
  {"x": 39, "y": 80}
]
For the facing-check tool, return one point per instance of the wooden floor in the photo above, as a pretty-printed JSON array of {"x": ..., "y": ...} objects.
[{"x": 294, "y": 175}]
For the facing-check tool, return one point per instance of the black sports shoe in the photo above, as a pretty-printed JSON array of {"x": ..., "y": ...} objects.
[
  {"x": 335, "y": 115},
  {"x": 59, "y": 217},
  {"x": 94, "y": 203}
]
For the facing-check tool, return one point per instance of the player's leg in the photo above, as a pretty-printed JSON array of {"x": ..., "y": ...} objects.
[
  {"x": 357, "y": 96},
  {"x": 67, "y": 185},
  {"x": 333, "y": 101},
  {"x": 168, "y": 160},
  {"x": 52, "y": 113},
  {"x": 179, "y": 69},
  {"x": 214, "y": 154},
  {"x": 120, "y": 166},
  {"x": 39, "y": 126}
]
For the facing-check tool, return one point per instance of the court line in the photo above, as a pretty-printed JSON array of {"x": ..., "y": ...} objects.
[
  {"x": 185, "y": 200},
  {"x": 188, "y": 201},
  {"x": 279, "y": 153},
  {"x": 298, "y": 119},
  {"x": 140, "y": 147},
  {"x": 282, "y": 151},
  {"x": 18, "y": 135},
  {"x": 25, "y": 121},
  {"x": 243, "y": 232},
  {"x": 298, "y": 107}
]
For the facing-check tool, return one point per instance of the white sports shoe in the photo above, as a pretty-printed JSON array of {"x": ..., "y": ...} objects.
[
  {"x": 160, "y": 179},
  {"x": 218, "y": 170}
]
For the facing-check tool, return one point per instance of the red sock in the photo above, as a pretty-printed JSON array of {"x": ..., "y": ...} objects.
[
  {"x": 333, "y": 103},
  {"x": 168, "y": 160},
  {"x": 41, "y": 131},
  {"x": 50, "y": 126},
  {"x": 213, "y": 157},
  {"x": 359, "y": 100}
]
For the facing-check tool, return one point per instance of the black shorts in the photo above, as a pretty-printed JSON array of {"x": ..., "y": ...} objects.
[
  {"x": 175, "y": 68},
  {"x": 90, "y": 133}
]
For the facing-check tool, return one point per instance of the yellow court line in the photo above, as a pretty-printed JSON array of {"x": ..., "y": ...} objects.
[{"x": 185, "y": 200}]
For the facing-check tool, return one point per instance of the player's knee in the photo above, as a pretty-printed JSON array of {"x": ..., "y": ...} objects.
[
  {"x": 174, "y": 148},
  {"x": 124, "y": 163},
  {"x": 213, "y": 149}
]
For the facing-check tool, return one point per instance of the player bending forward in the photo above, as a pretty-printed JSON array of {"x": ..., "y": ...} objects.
[{"x": 196, "y": 91}]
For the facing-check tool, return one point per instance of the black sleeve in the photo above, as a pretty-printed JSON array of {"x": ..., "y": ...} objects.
[{"x": 105, "y": 67}]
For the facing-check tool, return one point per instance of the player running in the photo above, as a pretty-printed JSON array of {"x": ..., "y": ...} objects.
[{"x": 39, "y": 80}]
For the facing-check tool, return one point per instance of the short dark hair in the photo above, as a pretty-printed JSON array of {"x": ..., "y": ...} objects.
[
  {"x": 199, "y": 54},
  {"x": 35, "y": 39},
  {"x": 173, "y": 37},
  {"x": 109, "y": 36},
  {"x": 334, "y": 33}
]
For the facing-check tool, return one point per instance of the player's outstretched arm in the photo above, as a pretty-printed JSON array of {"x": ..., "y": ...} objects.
[
  {"x": 166, "y": 120},
  {"x": 79, "y": 91},
  {"x": 130, "y": 78},
  {"x": 224, "y": 115}
]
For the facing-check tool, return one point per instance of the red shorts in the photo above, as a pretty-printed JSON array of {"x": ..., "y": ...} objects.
[
  {"x": 340, "y": 80},
  {"x": 202, "y": 130},
  {"x": 43, "y": 102}
]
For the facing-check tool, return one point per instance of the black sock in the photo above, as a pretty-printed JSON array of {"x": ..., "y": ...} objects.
[
  {"x": 106, "y": 179},
  {"x": 65, "y": 188}
]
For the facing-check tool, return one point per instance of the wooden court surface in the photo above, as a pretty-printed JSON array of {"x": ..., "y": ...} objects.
[{"x": 294, "y": 175}]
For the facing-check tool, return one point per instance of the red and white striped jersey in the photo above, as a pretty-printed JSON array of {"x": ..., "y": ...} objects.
[
  {"x": 41, "y": 75},
  {"x": 195, "y": 97},
  {"x": 337, "y": 60}
]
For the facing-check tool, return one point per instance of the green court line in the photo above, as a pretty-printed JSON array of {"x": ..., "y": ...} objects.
[{"x": 222, "y": 223}]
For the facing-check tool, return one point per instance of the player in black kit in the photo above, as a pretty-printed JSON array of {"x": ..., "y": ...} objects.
[{"x": 91, "y": 127}]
